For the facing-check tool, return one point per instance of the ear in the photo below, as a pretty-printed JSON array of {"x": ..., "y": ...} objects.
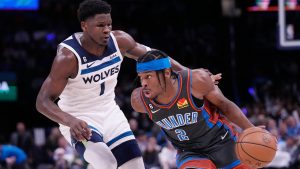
[
  {"x": 83, "y": 26},
  {"x": 168, "y": 73}
]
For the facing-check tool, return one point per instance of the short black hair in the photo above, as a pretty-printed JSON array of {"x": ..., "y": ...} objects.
[{"x": 90, "y": 8}]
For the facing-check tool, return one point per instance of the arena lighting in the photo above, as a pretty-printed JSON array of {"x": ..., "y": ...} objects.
[
  {"x": 8, "y": 5},
  {"x": 266, "y": 6},
  {"x": 283, "y": 41},
  {"x": 8, "y": 86}
]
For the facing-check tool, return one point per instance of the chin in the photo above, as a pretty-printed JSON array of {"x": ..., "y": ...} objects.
[
  {"x": 151, "y": 97},
  {"x": 104, "y": 41}
]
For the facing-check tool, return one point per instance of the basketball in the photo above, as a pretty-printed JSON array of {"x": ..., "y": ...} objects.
[{"x": 256, "y": 147}]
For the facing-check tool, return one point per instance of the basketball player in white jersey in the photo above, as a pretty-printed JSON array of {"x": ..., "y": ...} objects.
[{"x": 84, "y": 76}]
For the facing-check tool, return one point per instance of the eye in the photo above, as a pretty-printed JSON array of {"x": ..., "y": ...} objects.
[
  {"x": 100, "y": 25},
  {"x": 145, "y": 77},
  {"x": 148, "y": 76}
]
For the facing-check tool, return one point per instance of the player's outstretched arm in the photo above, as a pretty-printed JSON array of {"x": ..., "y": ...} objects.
[
  {"x": 203, "y": 86},
  {"x": 132, "y": 49},
  {"x": 64, "y": 66}
]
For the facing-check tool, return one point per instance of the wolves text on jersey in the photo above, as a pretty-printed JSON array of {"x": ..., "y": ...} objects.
[
  {"x": 101, "y": 75},
  {"x": 178, "y": 120}
]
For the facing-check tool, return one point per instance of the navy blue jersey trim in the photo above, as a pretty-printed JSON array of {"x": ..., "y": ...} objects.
[
  {"x": 128, "y": 133},
  {"x": 111, "y": 48},
  {"x": 101, "y": 66},
  {"x": 126, "y": 152}
]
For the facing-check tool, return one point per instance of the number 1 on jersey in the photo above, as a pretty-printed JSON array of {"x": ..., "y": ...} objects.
[{"x": 102, "y": 88}]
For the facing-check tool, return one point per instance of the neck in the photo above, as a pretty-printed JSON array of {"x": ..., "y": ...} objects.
[
  {"x": 170, "y": 91},
  {"x": 91, "y": 46}
]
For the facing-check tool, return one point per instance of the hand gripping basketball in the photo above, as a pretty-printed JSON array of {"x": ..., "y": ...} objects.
[{"x": 256, "y": 147}]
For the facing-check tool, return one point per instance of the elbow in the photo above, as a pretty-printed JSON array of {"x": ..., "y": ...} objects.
[
  {"x": 224, "y": 107},
  {"x": 39, "y": 104}
]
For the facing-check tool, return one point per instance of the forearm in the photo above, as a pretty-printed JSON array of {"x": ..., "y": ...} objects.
[
  {"x": 49, "y": 109},
  {"x": 235, "y": 115}
]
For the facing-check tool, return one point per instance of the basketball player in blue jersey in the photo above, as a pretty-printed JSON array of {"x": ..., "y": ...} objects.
[
  {"x": 84, "y": 76},
  {"x": 191, "y": 111}
]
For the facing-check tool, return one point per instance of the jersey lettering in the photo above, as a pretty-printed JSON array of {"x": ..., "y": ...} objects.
[
  {"x": 179, "y": 120},
  {"x": 101, "y": 76}
]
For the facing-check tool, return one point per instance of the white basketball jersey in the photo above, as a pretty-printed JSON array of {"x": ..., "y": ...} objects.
[{"x": 93, "y": 89}]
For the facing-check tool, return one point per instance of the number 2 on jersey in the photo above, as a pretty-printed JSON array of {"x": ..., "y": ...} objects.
[
  {"x": 102, "y": 88},
  {"x": 181, "y": 134}
]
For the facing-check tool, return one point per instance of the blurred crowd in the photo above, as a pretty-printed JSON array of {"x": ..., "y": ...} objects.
[
  {"x": 261, "y": 79},
  {"x": 46, "y": 148}
]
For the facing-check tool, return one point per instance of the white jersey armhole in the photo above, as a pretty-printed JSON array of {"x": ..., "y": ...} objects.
[{"x": 61, "y": 45}]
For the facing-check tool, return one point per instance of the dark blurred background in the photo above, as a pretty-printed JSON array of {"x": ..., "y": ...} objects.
[
  {"x": 224, "y": 36},
  {"x": 240, "y": 44}
]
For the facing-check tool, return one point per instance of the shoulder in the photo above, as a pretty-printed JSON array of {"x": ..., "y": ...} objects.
[
  {"x": 136, "y": 100},
  {"x": 126, "y": 43},
  {"x": 135, "y": 95},
  {"x": 65, "y": 62},
  {"x": 200, "y": 76},
  {"x": 201, "y": 83},
  {"x": 122, "y": 36},
  {"x": 65, "y": 53},
  {"x": 118, "y": 33}
]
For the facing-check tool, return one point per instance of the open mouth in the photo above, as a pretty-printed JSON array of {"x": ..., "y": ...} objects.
[{"x": 146, "y": 92}]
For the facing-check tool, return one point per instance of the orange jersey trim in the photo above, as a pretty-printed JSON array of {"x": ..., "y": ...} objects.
[{"x": 204, "y": 163}]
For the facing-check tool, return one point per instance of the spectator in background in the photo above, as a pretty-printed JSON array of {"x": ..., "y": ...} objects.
[
  {"x": 142, "y": 140},
  {"x": 151, "y": 154},
  {"x": 133, "y": 126},
  {"x": 60, "y": 159},
  {"x": 167, "y": 156},
  {"x": 52, "y": 142},
  {"x": 293, "y": 128},
  {"x": 22, "y": 137},
  {"x": 69, "y": 152},
  {"x": 13, "y": 157}
]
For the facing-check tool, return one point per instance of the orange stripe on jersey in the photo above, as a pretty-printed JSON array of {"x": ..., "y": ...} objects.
[
  {"x": 174, "y": 100},
  {"x": 213, "y": 115},
  {"x": 242, "y": 166},
  {"x": 203, "y": 163},
  {"x": 145, "y": 104},
  {"x": 212, "y": 111},
  {"x": 229, "y": 125}
]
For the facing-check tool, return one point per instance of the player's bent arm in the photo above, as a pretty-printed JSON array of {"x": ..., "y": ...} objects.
[
  {"x": 132, "y": 49},
  {"x": 128, "y": 46},
  {"x": 202, "y": 83},
  {"x": 136, "y": 101},
  {"x": 203, "y": 87},
  {"x": 63, "y": 67},
  {"x": 228, "y": 108}
]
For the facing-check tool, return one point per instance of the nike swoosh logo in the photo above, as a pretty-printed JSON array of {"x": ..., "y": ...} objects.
[
  {"x": 154, "y": 111},
  {"x": 222, "y": 137},
  {"x": 89, "y": 65}
]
